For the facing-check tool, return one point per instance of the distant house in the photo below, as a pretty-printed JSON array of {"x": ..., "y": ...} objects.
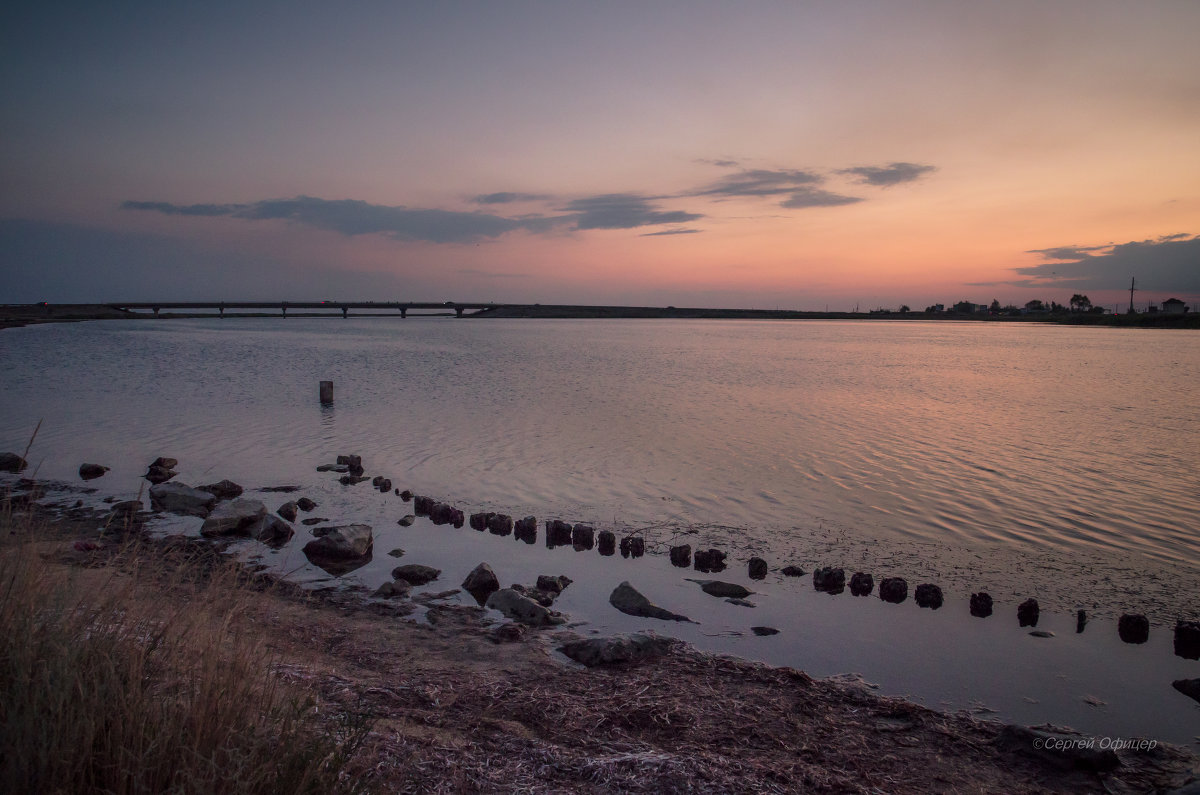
[{"x": 1173, "y": 306}]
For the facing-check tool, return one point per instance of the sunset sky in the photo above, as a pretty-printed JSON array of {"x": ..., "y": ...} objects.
[{"x": 742, "y": 154}]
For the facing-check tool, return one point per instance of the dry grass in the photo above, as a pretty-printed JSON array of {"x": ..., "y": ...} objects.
[{"x": 107, "y": 690}]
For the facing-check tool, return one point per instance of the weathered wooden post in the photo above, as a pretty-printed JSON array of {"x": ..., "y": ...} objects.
[{"x": 327, "y": 393}]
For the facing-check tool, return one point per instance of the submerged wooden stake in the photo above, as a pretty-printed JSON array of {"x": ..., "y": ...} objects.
[{"x": 327, "y": 392}]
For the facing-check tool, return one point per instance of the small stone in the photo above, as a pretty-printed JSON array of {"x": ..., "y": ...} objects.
[
  {"x": 709, "y": 560},
  {"x": 635, "y": 547},
  {"x": 1042, "y": 633},
  {"x": 829, "y": 579},
  {"x": 757, "y": 568},
  {"x": 741, "y": 603},
  {"x": 628, "y": 600},
  {"x": 223, "y": 489},
  {"x": 339, "y": 468},
  {"x": 681, "y": 556},
  {"x": 1133, "y": 628},
  {"x": 406, "y": 495},
  {"x": 11, "y": 462},
  {"x": 928, "y": 595},
  {"x": 893, "y": 589},
  {"x": 552, "y": 584},
  {"x": 416, "y": 574},
  {"x": 407, "y": 521},
  {"x": 312, "y": 520},
  {"x": 764, "y": 631},
  {"x": 157, "y": 474},
  {"x": 793, "y": 571},
  {"x": 1187, "y": 639},
  {"x": 272, "y": 531},
  {"x": 617, "y": 650},
  {"x": 861, "y": 584},
  {"x": 481, "y": 581},
  {"x": 288, "y": 511},
  {"x": 396, "y": 553},
  {"x": 91, "y": 471},
  {"x": 723, "y": 589},
  {"x": 165, "y": 463},
  {"x": 305, "y": 504}
]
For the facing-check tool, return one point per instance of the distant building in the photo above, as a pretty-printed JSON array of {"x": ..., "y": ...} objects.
[{"x": 1173, "y": 306}]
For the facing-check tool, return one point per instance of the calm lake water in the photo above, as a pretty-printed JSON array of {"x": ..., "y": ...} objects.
[{"x": 1027, "y": 459}]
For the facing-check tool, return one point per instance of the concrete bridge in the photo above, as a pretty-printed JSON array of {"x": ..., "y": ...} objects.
[{"x": 284, "y": 306}]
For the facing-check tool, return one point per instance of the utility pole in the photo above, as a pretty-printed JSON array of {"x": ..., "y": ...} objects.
[{"x": 1132, "y": 282}]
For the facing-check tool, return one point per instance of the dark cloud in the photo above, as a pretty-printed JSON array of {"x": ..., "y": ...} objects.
[
  {"x": 815, "y": 197},
  {"x": 1167, "y": 263},
  {"x": 353, "y": 217},
  {"x": 508, "y": 197},
  {"x": 185, "y": 209},
  {"x": 759, "y": 182},
  {"x": 671, "y": 232},
  {"x": 622, "y": 211},
  {"x": 891, "y": 174}
]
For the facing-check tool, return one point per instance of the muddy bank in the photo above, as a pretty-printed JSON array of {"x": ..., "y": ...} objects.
[{"x": 452, "y": 709}]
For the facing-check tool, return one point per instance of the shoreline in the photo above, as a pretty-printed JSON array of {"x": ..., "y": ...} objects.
[
  {"x": 453, "y": 704},
  {"x": 17, "y": 315}
]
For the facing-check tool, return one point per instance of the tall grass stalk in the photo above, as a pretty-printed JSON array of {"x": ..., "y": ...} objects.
[{"x": 104, "y": 688}]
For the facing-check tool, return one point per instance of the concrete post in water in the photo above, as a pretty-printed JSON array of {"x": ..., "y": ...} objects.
[{"x": 327, "y": 392}]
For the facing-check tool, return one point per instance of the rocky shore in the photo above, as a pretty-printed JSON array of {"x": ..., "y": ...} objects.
[{"x": 457, "y": 703}]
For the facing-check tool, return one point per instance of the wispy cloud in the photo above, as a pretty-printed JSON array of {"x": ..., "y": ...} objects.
[
  {"x": 759, "y": 182},
  {"x": 815, "y": 197},
  {"x": 493, "y": 275},
  {"x": 891, "y": 174},
  {"x": 509, "y": 197},
  {"x": 671, "y": 232},
  {"x": 622, "y": 211},
  {"x": 353, "y": 217}
]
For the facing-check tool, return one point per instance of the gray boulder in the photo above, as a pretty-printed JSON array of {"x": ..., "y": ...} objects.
[
  {"x": 288, "y": 511},
  {"x": 341, "y": 542},
  {"x": 272, "y": 530},
  {"x": 233, "y": 518},
  {"x": 416, "y": 574},
  {"x": 181, "y": 498},
  {"x": 628, "y": 600},
  {"x": 757, "y": 568},
  {"x": 305, "y": 504},
  {"x": 158, "y": 474},
  {"x": 617, "y": 649},
  {"x": 551, "y": 584},
  {"x": 481, "y": 581},
  {"x": 392, "y": 590},
  {"x": 523, "y": 609},
  {"x": 223, "y": 489},
  {"x": 91, "y": 471},
  {"x": 11, "y": 462}
]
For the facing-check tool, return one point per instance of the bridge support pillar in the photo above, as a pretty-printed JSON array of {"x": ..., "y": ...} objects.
[
  {"x": 345, "y": 312},
  {"x": 403, "y": 313},
  {"x": 285, "y": 311},
  {"x": 458, "y": 310},
  {"x": 221, "y": 309},
  {"x": 156, "y": 311}
]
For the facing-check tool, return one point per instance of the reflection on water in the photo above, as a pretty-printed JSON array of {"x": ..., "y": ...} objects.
[
  {"x": 1019, "y": 459},
  {"x": 1071, "y": 438}
]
